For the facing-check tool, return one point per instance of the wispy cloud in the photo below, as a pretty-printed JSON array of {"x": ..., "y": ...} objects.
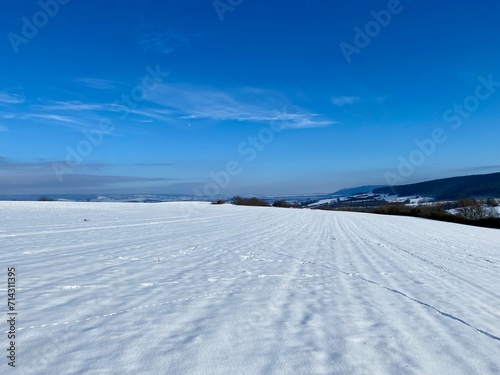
[
  {"x": 73, "y": 123},
  {"x": 51, "y": 117},
  {"x": 341, "y": 101},
  {"x": 77, "y": 106},
  {"x": 191, "y": 102},
  {"x": 171, "y": 103},
  {"x": 96, "y": 83},
  {"x": 153, "y": 38},
  {"x": 187, "y": 102},
  {"x": 152, "y": 113},
  {"x": 72, "y": 106},
  {"x": 78, "y": 115},
  {"x": 7, "y": 98},
  {"x": 3, "y": 128},
  {"x": 72, "y": 115},
  {"x": 42, "y": 166}
]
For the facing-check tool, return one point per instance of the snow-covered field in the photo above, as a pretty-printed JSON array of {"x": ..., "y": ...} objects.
[{"x": 193, "y": 288}]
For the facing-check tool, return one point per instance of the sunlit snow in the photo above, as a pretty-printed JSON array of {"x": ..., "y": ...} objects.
[{"x": 193, "y": 288}]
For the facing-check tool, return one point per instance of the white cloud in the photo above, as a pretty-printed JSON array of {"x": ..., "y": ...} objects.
[
  {"x": 190, "y": 102},
  {"x": 170, "y": 103},
  {"x": 11, "y": 98},
  {"x": 68, "y": 111},
  {"x": 150, "y": 113},
  {"x": 52, "y": 117},
  {"x": 72, "y": 122},
  {"x": 70, "y": 115},
  {"x": 341, "y": 101},
  {"x": 73, "y": 106}
]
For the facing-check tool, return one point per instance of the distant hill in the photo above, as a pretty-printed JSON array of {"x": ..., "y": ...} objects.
[
  {"x": 484, "y": 185},
  {"x": 356, "y": 190}
]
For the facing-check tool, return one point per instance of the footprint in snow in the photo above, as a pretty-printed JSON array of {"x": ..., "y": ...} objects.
[
  {"x": 263, "y": 276},
  {"x": 222, "y": 279}
]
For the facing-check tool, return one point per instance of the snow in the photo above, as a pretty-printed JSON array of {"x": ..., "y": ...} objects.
[
  {"x": 322, "y": 202},
  {"x": 495, "y": 210},
  {"x": 414, "y": 200},
  {"x": 367, "y": 196},
  {"x": 194, "y": 288}
]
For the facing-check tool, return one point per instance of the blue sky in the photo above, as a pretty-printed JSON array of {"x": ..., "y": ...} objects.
[{"x": 238, "y": 97}]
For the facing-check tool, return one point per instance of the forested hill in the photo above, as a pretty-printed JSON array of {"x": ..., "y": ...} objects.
[{"x": 485, "y": 185}]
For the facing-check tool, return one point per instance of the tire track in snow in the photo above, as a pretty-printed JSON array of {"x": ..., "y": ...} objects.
[
  {"x": 447, "y": 315},
  {"x": 390, "y": 229},
  {"x": 288, "y": 314},
  {"x": 392, "y": 290},
  {"x": 451, "y": 282},
  {"x": 441, "y": 312},
  {"x": 363, "y": 326}
]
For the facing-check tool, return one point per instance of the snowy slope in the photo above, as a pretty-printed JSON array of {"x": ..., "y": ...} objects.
[{"x": 193, "y": 288}]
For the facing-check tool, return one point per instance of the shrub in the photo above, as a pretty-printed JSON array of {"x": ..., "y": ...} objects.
[
  {"x": 220, "y": 201},
  {"x": 239, "y": 201},
  {"x": 472, "y": 209},
  {"x": 430, "y": 211},
  {"x": 438, "y": 212},
  {"x": 44, "y": 198},
  {"x": 285, "y": 204},
  {"x": 395, "y": 209}
]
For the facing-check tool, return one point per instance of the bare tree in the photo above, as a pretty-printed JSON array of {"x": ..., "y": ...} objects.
[{"x": 472, "y": 209}]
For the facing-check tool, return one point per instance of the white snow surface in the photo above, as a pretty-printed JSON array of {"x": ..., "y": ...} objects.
[{"x": 193, "y": 288}]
